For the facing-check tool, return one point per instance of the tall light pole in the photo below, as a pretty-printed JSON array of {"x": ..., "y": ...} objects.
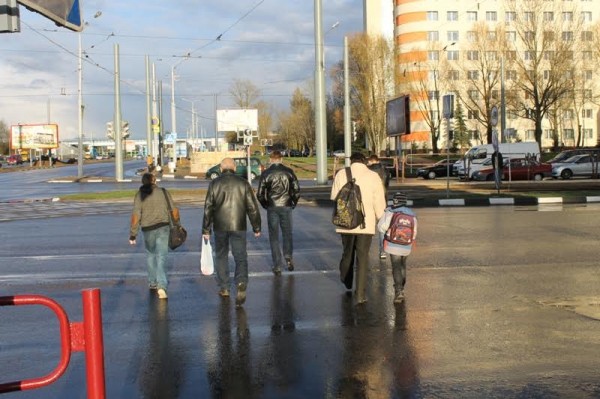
[{"x": 320, "y": 123}]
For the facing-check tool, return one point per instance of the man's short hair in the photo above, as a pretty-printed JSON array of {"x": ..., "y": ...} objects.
[
  {"x": 227, "y": 164},
  {"x": 357, "y": 157},
  {"x": 373, "y": 158},
  {"x": 275, "y": 155},
  {"x": 148, "y": 178}
]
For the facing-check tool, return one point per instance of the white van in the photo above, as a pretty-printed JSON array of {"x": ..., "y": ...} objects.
[{"x": 479, "y": 157}]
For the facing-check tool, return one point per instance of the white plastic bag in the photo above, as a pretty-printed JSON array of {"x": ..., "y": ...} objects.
[{"x": 207, "y": 266}]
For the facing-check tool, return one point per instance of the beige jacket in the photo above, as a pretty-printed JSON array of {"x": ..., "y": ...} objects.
[{"x": 372, "y": 194}]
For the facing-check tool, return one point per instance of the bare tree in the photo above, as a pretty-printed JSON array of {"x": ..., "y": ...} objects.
[
  {"x": 245, "y": 93},
  {"x": 371, "y": 75},
  {"x": 546, "y": 32},
  {"x": 298, "y": 126},
  {"x": 4, "y": 137}
]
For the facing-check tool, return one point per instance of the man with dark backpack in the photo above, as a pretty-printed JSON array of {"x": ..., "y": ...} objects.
[
  {"x": 362, "y": 196},
  {"x": 399, "y": 228}
]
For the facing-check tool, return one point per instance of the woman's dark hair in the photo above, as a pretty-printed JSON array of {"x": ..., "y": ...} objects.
[{"x": 148, "y": 184}]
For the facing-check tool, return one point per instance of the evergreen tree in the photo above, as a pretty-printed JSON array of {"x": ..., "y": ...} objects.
[{"x": 461, "y": 133}]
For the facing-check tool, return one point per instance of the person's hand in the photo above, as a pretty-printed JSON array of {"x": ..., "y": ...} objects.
[
  {"x": 131, "y": 242},
  {"x": 206, "y": 236},
  {"x": 257, "y": 234}
]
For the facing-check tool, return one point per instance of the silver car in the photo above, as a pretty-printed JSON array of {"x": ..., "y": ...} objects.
[{"x": 578, "y": 166}]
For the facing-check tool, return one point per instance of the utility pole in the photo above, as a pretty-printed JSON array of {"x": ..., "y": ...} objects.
[
  {"x": 79, "y": 111},
  {"x": 117, "y": 121},
  {"x": 320, "y": 122},
  {"x": 347, "y": 109},
  {"x": 148, "y": 112}
]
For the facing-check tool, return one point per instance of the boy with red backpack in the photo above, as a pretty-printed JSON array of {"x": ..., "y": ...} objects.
[{"x": 399, "y": 228}]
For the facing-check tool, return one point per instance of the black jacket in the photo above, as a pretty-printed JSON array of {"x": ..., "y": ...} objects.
[
  {"x": 228, "y": 200},
  {"x": 278, "y": 186},
  {"x": 383, "y": 173}
]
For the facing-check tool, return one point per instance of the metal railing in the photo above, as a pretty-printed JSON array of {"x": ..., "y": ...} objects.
[{"x": 83, "y": 336}]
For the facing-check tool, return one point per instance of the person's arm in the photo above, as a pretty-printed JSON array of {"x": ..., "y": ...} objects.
[
  {"x": 207, "y": 220},
  {"x": 295, "y": 188},
  {"x": 136, "y": 216},
  {"x": 174, "y": 209},
  {"x": 252, "y": 210}
]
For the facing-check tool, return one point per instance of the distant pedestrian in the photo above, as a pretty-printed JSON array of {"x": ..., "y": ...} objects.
[
  {"x": 229, "y": 200},
  {"x": 357, "y": 242},
  {"x": 278, "y": 193},
  {"x": 151, "y": 213},
  {"x": 398, "y": 252},
  {"x": 375, "y": 165}
]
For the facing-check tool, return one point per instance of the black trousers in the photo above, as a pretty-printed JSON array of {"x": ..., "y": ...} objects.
[
  {"x": 398, "y": 271},
  {"x": 355, "y": 246}
]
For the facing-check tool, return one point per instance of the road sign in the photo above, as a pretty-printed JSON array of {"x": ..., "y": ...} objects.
[
  {"x": 170, "y": 138},
  {"x": 155, "y": 125},
  {"x": 494, "y": 116},
  {"x": 64, "y": 12}
]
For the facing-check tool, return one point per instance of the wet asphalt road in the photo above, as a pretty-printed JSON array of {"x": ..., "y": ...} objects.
[{"x": 502, "y": 302}]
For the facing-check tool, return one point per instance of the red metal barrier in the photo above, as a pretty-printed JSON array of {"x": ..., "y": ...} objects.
[{"x": 83, "y": 336}]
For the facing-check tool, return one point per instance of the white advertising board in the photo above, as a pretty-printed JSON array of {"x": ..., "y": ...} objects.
[
  {"x": 33, "y": 137},
  {"x": 235, "y": 120}
]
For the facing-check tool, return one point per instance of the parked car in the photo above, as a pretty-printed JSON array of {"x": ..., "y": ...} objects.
[
  {"x": 14, "y": 159},
  {"x": 566, "y": 154},
  {"x": 339, "y": 153},
  {"x": 577, "y": 166},
  {"x": 438, "y": 169},
  {"x": 241, "y": 168},
  {"x": 518, "y": 169},
  {"x": 295, "y": 153}
]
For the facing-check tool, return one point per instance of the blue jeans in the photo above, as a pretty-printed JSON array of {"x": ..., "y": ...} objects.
[
  {"x": 156, "y": 243},
  {"x": 280, "y": 216},
  {"x": 237, "y": 239}
]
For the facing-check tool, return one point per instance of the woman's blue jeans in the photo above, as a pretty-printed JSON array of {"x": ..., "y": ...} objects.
[{"x": 156, "y": 243}]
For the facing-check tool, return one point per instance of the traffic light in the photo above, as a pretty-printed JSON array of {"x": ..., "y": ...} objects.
[
  {"x": 110, "y": 132},
  {"x": 124, "y": 129},
  {"x": 248, "y": 137}
]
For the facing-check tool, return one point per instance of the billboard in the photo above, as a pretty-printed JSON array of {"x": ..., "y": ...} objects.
[
  {"x": 33, "y": 137},
  {"x": 63, "y": 12},
  {"x": 236, "y": 120},
  {"x": 397, "y": 116}
]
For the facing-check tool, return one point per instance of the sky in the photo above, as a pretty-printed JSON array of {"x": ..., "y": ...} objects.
[{"x": 267, "y": 42}]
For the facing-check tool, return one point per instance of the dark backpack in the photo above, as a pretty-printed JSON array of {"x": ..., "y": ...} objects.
[
  {"x": 401, "y": 229},
  {"x": 348, "y": 210}
]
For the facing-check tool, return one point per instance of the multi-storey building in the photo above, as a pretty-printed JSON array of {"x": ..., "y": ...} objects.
[{"x": 537, "y": 55}]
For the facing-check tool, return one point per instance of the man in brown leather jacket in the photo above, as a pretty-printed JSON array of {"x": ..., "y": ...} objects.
[{"x": 228, "y": 201}]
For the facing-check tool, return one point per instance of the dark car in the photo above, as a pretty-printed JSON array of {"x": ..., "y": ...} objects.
[
  {"x": 518, "y": 169},
  {"x": 438, "y": 169},
  {"x": 241, "y": 168},
  {"x": 295, "y": 153},
  {"x": 566, "y": 154}
]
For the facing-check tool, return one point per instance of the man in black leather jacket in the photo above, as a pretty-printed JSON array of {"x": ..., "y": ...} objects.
[
  {"x": 278, "y": 193},
  {"x": 229, "y": 200}
]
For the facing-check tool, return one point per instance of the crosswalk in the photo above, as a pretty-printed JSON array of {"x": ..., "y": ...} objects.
[{"x": 10, "y": 211}]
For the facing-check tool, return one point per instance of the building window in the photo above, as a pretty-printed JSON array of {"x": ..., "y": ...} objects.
[
  {"x": 472, "y": 55},
  {"x": 529, "y": 55},
  {"x": 473, "y": 94},
  {"x": 588, "y": 133},
  {"x": 452, "y": 35},
  {"x": 495, "y": 94},
  {"x": 530, "y": 134},
  {"x": 569, "y": 133},
  {"x": 587, "y": 36},
  {"x": 511, "y": 55},
  {"x": 432, "y": 15},
  {"x": 510, "y": 16},
  {"x": 548, "y": 16},
  {"x": 491, "y": 55},
  {"x": 548, "y": 55},
  {"x": 433, "y": 36},
  {"x": 587, "y": 94},
  {"x": 511, "y": 114},
  {"x": 567, "y": 16},
  {"x": 452, "y": 55},
  {"x": 569, "y": 74},
  {"x": 472, "y": 36},
  {"x": 586, "y": 16},
  {"x": 452, "y": 15},
  {"x": 453, "y": 75},
  {"x": 473, "y": 75},
  {"x": 586, "y": 113},
  {"x": 432, "y": 75},
  {"x": 546, "y": 74},
  {"x": 491, "y": 16},
  {"x": 511, "y": 36},
  {"x": 510, "y": 74},
  {"x": 586, "y": 55},
  {"x": 492, "y": 36},
  {"x": 471, "y": 16},
  {"x": 473, "y": 134},
  {"x": 568, "y": 114},
  {"x": 549, "y": 35},
  {"x": 433, "y": 55},
  {"x": 549, "y": 134},
  {"x": 567, "y": 36},
  {"x": 528, "y": 16},
  {"x": 588, "y": 75},
  {"x": 530, "y": 35},
  {"x": 433, "y": 95},
  {"x": 473, "y": 114}
]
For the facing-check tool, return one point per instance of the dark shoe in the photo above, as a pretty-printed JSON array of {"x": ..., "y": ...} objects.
[
  {"x": 382, "y": 255},
  {"x": 399, "y": 298},
  {"x": 241, "y": 294},
  {"x": 277, "y": 272},
  {"x": 290, "y": 264},
  {"x": 224, "y": 292},
  {"x": 152, "y": 287}
]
